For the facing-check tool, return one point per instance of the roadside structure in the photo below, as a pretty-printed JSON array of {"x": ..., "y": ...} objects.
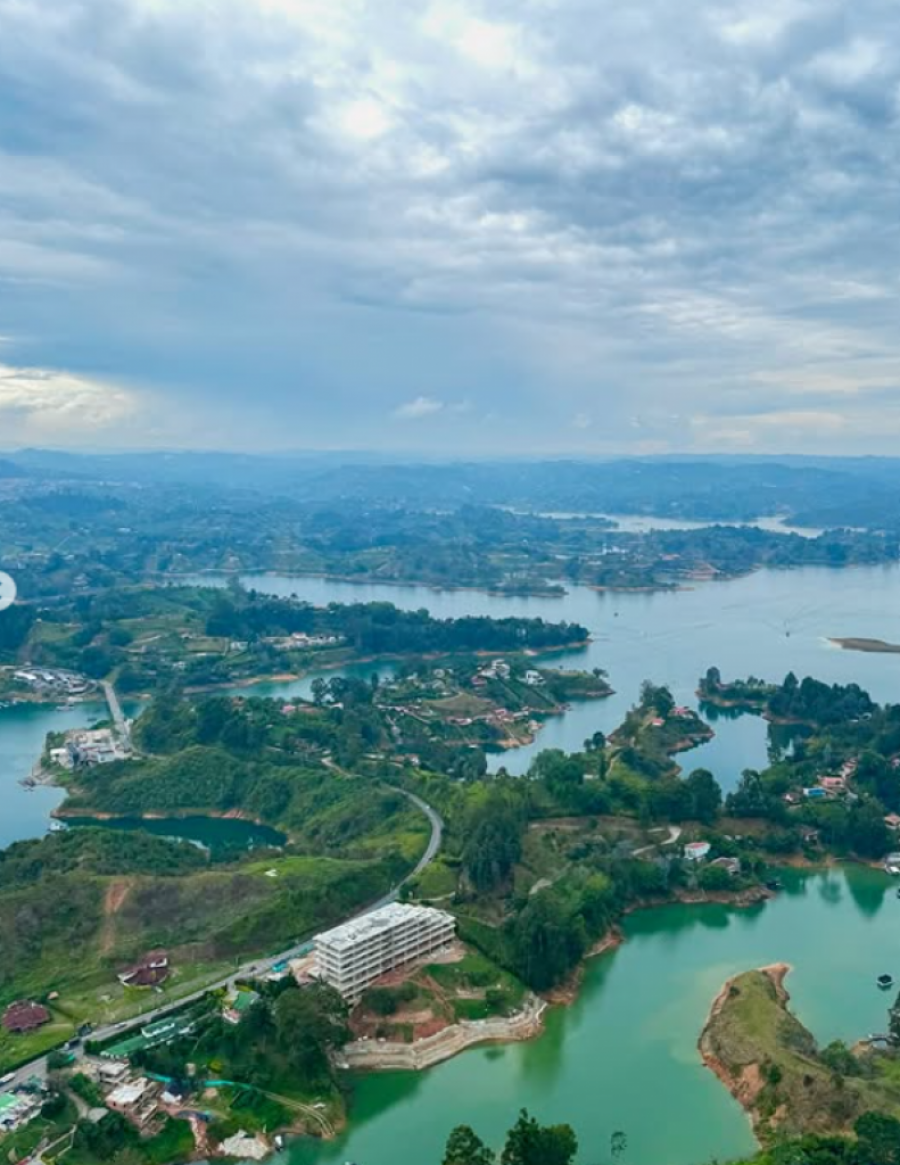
[
  {"x": 353, "y": 956},
  {"x": 152, "y": 970},
  {"x": 25, "y": 1016}
]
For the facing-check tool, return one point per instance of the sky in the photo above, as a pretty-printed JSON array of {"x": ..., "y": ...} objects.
[{"x": 516, "y": 227}]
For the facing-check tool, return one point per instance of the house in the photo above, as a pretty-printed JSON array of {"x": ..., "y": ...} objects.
[
  {"x": 657, "y": 722},
  {"x": 696, "y": 851},
  {"x": 732, "y": 865},
  {"x": 833, "y": 784},
  {"x": 152, "y": 970},
  {"x": 682, "y": 713},
  {"x": 246, "y": 1148},
  {"x": 534, "y": 679},
  {"x": 17, "y": 1109},
  {"x": 242, "y": 1003},
  {"x": 135, "y": 1100},
  {"x": 25, "y": 1016},
  {"x": 892, "y": 821}
]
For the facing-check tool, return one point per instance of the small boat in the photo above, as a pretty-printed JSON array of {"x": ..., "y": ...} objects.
[
  {"x": 885, "y": 982},
  {"x": 58, "y": 826}
]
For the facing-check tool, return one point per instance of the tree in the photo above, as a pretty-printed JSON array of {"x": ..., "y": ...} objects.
[
  {"x": 548, "y": 939},
  {"x": 714, "y": 879},
  {"x": 493, "y": 848},
  {"x": 657, "y": 698},
  {"x": 464, "y": 1147},
  {"x": 529, "y": 1143},
  {"x": 309, "y": 1024},
  {"x": 867, "y": 833},
  {"x": 706, "y": 796},
  {"x": 596, "y": 742},
  {"x": 879, "y": 1138}
]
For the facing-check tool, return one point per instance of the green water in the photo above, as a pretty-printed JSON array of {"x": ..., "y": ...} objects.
[
  {"x": 216, "y": 834},
  {"x": 25, "y": 812},
  {"x": 624, "y": 1057}
]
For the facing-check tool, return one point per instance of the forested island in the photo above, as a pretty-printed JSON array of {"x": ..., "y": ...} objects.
[{"x": 143, "y": 639}]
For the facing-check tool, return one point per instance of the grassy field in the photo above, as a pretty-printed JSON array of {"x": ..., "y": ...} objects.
[
  {"x": 19, "y": 1049},
  {"x": 436, "y": 881},
  {"x": 208, "y": 921},
  {"x": 774, "y": 1067}
]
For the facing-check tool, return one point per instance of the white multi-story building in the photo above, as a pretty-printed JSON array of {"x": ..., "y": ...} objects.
[{"x": 352, "y": 956}]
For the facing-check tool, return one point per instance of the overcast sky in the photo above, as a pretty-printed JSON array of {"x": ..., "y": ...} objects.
[{"x": 509, "y": 226}]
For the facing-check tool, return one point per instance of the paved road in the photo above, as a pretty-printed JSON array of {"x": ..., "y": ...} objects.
[
  {"x": 255, "y": 967},
  {"x": 115, "y": 710}
]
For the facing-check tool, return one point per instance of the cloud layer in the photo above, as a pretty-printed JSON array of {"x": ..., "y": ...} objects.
[{"x": 540, "y": 225}]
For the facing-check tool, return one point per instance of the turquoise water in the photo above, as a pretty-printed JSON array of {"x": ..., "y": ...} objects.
[
  {"x": 767, "y": 624},
  {"x": 625, "y": 1057}
]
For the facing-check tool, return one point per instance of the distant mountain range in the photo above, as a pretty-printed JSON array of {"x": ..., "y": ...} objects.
[{"x": 826, "y": 492}]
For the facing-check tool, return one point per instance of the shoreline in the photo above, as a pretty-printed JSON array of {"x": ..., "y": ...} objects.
[
  {"x": 746, "y": 1087},
  {"x": 866, "y": 646},
  {"x": 365, "y": 1056},
  {"x": 397, "y": 657},
  {"x": 355, "y": 580}
]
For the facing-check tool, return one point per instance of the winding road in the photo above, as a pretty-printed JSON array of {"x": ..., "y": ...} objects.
[{"x": 252, "y": 968}]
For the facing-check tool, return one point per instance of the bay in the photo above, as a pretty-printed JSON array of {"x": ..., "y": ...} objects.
[{"x": 624, "y": 1057}]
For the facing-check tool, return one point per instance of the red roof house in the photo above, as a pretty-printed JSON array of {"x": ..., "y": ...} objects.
[
  {"x": 152, "y": 970},
  {"x": 25, "y": 1016}
]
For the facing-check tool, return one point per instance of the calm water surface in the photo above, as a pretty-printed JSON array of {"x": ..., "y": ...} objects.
[
  {"x": 625, "y": 1055},
  {"x": 765, "y": 624},
  {"x": 216, "y": 834},
  {"x": 23, "y": 730}
]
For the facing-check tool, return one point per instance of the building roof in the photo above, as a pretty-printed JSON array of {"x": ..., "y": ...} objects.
[
  {"x": 127, "y": 1094},
  {"x": 150, "y": 971},
  {"x": 243, "y": 1145},
  {"x": 25, "y": 1016},
  {"x": 375, "y": 923}
]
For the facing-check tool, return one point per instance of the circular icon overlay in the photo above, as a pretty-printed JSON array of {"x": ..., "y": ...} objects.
[{"x": 7, "y": 591}]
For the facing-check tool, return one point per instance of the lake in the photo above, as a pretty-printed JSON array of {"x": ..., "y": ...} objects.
[
  {"x": 764, "y": 624},
  {"x": 23, "y": 730},
  {"x": 624, "y": 1056},
  {"x": 218, "y": 835}
]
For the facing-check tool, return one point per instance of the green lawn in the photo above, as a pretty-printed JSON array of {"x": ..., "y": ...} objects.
[
  {"x": 436, "y": 881},
  {"x": 16, "y": 1050}
]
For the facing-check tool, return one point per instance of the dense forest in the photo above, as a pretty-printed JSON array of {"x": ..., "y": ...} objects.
[{"x": 383, "y": 629}]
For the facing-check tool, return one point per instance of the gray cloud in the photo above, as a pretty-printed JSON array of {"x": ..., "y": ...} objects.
[{"x": 269, "y": 222}]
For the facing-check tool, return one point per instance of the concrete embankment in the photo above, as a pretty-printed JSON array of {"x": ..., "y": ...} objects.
[{"x": 370, "y": 1055}]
